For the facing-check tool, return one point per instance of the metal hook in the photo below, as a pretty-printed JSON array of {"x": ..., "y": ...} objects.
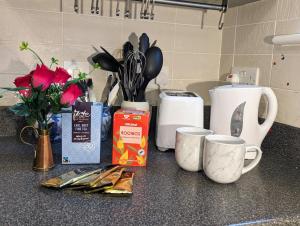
[
  {"x": 127, "y": 10},
  {"x": 76, "y": 6},
  {"x": 221, "y": 21},
  {"x": 142, "y": 10},
  {"x": 146, "y": 10},
  {"x": 92, "y": 7},
  {"x": 97, "y": 7},
  {"x": 152, "y": 10},
  {"x": 118, "y": 8}
]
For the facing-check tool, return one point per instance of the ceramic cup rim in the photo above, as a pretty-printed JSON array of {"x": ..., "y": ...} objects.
[
  {"x": 191, "y": 130},
  {"x": 219, "y": 139}
]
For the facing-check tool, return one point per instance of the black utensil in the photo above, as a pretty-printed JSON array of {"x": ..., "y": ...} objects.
[
  {"x": 154, "y": 62},
  {"x": 106, "y": 63},
  {"x": 154, "y": 43},
  {"x": 111, "y": 56},
  {"x": 106, "y": 90},
  {"x": 144, "y": 43},
  {"x": 127, "y": 47}
]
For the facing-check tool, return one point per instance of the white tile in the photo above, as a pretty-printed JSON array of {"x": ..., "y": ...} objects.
[
  {"x": 7, "y": 80},
  {"x": 263, "y": 62},
  {"x": 202, "y": 67},
  {"x": 92, "y": 30},
  {"x": 197, "y": 40},
  {"x": 252, "y": 39},
  {"x": 260, "y": 11},
  {"x": 288, "y": 9},
  {"x": 228, "y": 37},
  {"x": 162, "y": 32},
  {"x": 199, "y": 87},
  {"x": 44, "y": 5},
  {"x": 288, "y": 27},
  {"x": 285, "y": 74},
  {"x": 288, "y": 107},
  {"x": 225, "y": 66},
  {"x": 230, "y": 17},
  {"x": 32, "y": 26},
  {"x": 82, "y": 52},
  {"x": 21, "y": 62},
  {"x": 197, "y": 17}
]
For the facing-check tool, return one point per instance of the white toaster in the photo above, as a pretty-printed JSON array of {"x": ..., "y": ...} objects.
[{"x": 176, "y": 109}]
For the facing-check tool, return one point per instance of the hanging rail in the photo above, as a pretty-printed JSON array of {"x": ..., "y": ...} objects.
[
  {"x": 146, "y": 13},
  {"x": 194, "y": 4}
]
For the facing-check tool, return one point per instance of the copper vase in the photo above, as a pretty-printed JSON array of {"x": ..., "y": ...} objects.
[{"x": 43, "y": 157}]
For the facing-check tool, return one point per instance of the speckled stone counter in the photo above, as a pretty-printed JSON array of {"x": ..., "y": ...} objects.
[{"x": 164, "y": 194}]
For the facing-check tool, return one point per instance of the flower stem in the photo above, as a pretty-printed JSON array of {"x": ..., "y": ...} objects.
[
  {"x": 36, "y": 55},
  {"x": 94, "y": 69}
]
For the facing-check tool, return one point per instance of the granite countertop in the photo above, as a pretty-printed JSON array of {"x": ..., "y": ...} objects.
[{"x": 163, "y": 193}]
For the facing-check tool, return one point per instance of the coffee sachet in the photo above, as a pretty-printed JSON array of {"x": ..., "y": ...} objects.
[
  {"x": 107, "y": 182},
  {"x": 69, "y": 177},
  {"x": 94, "y": 183},
  {"x": 123, "y": 186}
]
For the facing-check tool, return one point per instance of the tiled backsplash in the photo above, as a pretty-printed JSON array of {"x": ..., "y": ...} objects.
[
  {"x": 191, "y": 42},
  {"x": 246, "y": 42},
  {"x": 195, "y": 51}
]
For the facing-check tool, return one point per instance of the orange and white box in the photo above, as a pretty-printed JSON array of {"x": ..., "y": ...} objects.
[{"x": 130, "y": 137}]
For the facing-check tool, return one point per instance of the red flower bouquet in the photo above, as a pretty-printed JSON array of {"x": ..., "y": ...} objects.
[{"x": 44, "y": 91}]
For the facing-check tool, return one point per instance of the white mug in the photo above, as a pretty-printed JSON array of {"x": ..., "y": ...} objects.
[
  {"x": 189, "y": 147},
  {"x": 224, "y": 156}
]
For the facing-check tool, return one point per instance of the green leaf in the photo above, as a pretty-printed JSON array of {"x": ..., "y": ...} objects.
[
  {"x": 20, "y": 109},
  {"x": 96, "y": 66},
  {"x": 13, "y": 89},
  {"x": 54, "y": 61},
  {"x": 31, "y": 120},
  {"x": 82, "y": 75},
  {"x": 24, "y": 46}
]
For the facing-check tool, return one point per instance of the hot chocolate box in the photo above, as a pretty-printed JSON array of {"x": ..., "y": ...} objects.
[{"x": 81, "y": 134}]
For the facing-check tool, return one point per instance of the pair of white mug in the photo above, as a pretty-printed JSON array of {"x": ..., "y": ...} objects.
[{"x": 220, "y": 156}]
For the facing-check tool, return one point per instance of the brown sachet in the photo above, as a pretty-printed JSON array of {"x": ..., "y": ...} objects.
[
  {"x": 107, "y": 182},
  {"x": 87, "y": 180},
  {"x": 97, "y": 180},
  {"x": 124, "y": 186},
  {"x": 69, "y": 177}
]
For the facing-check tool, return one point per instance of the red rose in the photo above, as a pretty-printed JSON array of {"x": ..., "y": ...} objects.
[
  {"x": 61, "y": 76},
  {"x": 24, "y": 81},
  {"x": 70, "y": 95},
  {"x": 42, "y": 77}
]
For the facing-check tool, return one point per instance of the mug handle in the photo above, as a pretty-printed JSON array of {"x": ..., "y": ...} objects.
[{"x": 255, "y": 161}]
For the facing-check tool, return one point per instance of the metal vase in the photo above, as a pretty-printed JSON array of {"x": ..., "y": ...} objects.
[{"x": 43, "y": 157}]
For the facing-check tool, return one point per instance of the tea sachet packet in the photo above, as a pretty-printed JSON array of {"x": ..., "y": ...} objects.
[
  {"x": 108, "y": 181},
  {"x": 70, "y": 177},
  {"x": 123, "y": 186}
]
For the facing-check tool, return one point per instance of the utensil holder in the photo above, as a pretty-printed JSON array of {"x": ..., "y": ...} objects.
[{"x": 140, "y": 106}]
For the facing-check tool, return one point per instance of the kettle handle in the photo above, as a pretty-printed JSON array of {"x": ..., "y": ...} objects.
[{"x": 272, "y": 110}]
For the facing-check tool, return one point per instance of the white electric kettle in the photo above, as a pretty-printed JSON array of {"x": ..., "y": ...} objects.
[{"x": 234, "y": 111}]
